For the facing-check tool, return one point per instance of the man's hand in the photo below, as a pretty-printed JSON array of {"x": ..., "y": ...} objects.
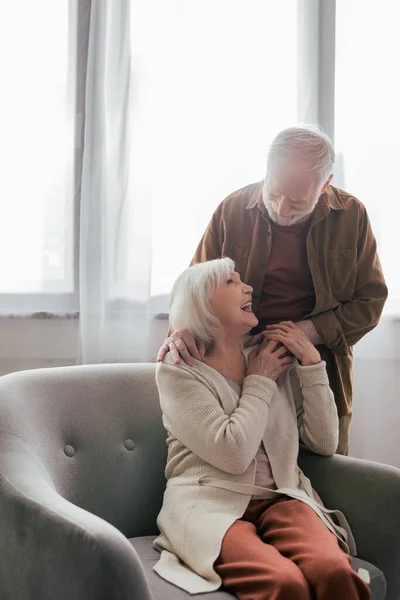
[
  {"x": 181, "y": 344},
  {"x": 308, "y": 328},
  {"x": 295, "y": 340}
]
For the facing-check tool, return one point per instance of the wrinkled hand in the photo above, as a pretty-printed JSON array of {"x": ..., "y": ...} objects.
[
  {"x": 181, "y": 344},
  {"x": 258, "y": 338},
  {"x": 270, "y": 361},
  {"x": 308, "y": 328},
  {"x": 295, "y": 340}
]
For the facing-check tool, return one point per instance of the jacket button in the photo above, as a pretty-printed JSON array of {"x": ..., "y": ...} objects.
[
  {"x": 129, "y": 444},
  {"x": 342, "y": 254},
  {"x": 69, "y": 450},
  {"x": 263, "y": 265}
]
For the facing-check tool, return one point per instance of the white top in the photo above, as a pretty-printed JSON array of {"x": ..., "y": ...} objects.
[{"x": 264, "y": 477}]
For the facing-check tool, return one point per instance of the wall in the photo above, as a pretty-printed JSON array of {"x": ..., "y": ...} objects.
[
  {"x": 375, "y": 431},
  {"x": 34, "y": 343}
]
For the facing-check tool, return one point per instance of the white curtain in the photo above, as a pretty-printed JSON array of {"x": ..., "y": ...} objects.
[
  {"x": 182, "y": 99},
  {"x": 114, "y": 257},
  {"x": 367, "y": 124}
]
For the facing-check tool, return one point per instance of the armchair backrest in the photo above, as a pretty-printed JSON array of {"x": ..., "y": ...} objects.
[{"x": 98, "y": 432}]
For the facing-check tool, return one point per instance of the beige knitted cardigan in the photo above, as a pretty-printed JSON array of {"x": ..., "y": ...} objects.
[{"x": 213, "y": 437}]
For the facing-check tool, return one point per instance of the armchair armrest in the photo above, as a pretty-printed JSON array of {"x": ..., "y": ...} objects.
[
  {"x": 368, "y": 494},
  {"x": 51, "y": 548}
]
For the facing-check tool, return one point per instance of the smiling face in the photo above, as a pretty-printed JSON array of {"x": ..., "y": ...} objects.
[
  {"x": 291, "y": 193},
  {"x": 231, "y": 305}
]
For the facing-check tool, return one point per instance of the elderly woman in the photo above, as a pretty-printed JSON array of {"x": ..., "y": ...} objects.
[{"x": 238, "y": 512}]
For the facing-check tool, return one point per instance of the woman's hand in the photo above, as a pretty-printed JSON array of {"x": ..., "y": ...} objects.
[
  {"x": 181, "y": 344},
  {"x": 272, "y": 361},
  {"x": 296, "y": 341}
]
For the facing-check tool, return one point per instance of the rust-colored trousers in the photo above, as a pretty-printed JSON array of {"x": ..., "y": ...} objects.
[{"x": 283, "y": 551}]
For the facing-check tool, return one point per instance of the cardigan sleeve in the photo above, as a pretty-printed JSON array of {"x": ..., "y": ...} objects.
[
  {"x": 318, "y": 418},
  {"x": 193, "y": 414}
]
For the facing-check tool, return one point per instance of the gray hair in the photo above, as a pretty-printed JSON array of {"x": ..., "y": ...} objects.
[
  {"x": 191, "y": 295},
  {"x": 304, "y": 141}
]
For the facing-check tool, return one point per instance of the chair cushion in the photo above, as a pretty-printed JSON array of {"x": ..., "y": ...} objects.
[{"x": 162, "y": 590}]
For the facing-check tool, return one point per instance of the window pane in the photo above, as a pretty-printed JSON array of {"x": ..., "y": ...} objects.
[
  {"x": 367, "y": 126},
  {"x": 213, "y": 83},
  {"x": 36, "y": 148}
]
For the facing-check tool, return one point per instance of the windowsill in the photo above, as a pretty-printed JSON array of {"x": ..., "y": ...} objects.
[
  {"x": 118, "y": 309},
  {"x": 122, "y": 309},
  {"x": 40, "y": 315},
  {"x": 48, "y": 336}
]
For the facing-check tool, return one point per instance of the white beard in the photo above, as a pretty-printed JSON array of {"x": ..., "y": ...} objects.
[{"x": 291, "y": 218}]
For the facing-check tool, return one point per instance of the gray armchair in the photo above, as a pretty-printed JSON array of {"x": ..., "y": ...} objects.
[{"x": 82, "y": 456}]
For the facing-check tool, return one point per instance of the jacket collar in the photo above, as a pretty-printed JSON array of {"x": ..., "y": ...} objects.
[
  {"x": 256, "y": 196},
  {"x": 330, "y": 198}
]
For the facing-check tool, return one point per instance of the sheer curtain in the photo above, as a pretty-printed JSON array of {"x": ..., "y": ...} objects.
[
  {"x": 107, "y": 306},
  {"x": 367, "y": 131},
  {"x": 182, "y": 99}
]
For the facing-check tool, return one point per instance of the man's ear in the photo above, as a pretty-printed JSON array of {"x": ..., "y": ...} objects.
[{"x": 326, "y": 184}]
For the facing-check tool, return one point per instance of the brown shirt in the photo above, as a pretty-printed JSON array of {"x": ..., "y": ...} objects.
[
  {"x": 288, "y": 290},
  {"x": 350, "y": 289}
]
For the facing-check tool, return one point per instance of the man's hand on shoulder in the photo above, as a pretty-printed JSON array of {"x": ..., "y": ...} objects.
[{"x": 182, "y": 345}]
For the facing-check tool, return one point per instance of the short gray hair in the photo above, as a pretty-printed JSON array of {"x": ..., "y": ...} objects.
[
  {"x": 191, "y": 295},
  {"x": 305, "y": 141}
]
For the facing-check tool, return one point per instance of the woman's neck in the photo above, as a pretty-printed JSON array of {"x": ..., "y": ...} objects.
[
  {"x": 226, "y": 346},
  {"x": 226, "y": 356}
]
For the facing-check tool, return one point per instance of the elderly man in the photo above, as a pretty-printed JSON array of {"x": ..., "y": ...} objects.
[{"x": 308, "y": 251}]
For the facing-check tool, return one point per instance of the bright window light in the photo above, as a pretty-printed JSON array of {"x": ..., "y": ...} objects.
[
  {"x": 213, "y": 82},
  {"x": 367, "y": 126},
  {"x": 36, "y": 148}
]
